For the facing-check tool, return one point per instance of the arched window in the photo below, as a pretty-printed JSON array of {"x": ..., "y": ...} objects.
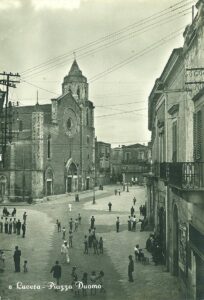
[
  {"x": 78, "y": 92},
  {"x": 48, "y": 147},
  {"x": 87, "y": 117}
]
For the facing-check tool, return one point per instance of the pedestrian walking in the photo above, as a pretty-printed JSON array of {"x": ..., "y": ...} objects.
[
  {"x": 134, "y": 201},
  {"x": 1, "y": 225},
  {"x": 56, "y": 271},
  {"x": 25, "y": 266},
  {"x": 109, "y": 206},
  {"x": 24, "y": 217},
  {"x": 70, "y": 207},
  {"x": 130, "y": 269},
  {"x": 70, "y": 239},
  {"x": 65, "y": 251},
  {"x": 117, "y": 224},
  {"x": 90, "y": 238},
  {"x": 17, "y": 259},
  {"x": 23, "y": 229},
  {"x": 100, "y": 245},
  {"x": 86, "y": 250},
  {"x": 63, "y": 233},
  {"x": 119, "y": 192},
  {"x": 10, "y": 225}
]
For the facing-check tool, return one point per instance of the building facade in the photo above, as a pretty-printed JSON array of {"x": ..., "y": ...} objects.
[
  {"x": 102, "y": 162},
  {"x": 129, "y": 163},
  {"x": 52, "y": 150},
  {"x": 175, "y": 186}
]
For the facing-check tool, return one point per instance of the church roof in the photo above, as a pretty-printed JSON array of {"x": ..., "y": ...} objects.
[{"x": 75, "y": 74}]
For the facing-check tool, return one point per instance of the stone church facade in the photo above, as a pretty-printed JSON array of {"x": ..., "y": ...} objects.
[{"x": 53, "y": 145}]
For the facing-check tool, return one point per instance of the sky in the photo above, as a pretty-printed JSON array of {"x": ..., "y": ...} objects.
[{"x": 120, "y": 46}]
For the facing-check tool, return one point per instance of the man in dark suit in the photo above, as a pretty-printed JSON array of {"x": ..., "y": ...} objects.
[
  {"x": 23, "y": 229},
  {"x": 57, "y": 271},
  {"x": 17, "y": 259},
  {"x": 130, "y": 269}
]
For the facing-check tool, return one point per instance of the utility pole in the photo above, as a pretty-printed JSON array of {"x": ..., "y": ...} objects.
[{"x": 8, "y": 82}]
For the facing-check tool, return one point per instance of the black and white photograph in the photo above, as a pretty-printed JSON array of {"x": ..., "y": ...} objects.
[{"x": 102, "y": 149}]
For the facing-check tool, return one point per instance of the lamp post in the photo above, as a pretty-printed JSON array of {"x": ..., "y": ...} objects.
[{"x": 93, "y": 172}]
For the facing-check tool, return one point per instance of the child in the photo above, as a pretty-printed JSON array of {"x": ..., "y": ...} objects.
[{"x": 25, "y": 267}]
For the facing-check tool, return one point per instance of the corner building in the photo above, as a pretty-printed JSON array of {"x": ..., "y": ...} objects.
[{"x": 53, "y": 145}]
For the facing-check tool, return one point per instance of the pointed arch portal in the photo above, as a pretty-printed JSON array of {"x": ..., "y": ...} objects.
[{"x": 71, "y": 178}]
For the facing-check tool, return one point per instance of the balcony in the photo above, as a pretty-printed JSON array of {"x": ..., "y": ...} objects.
[{"x": 188, "y": 176}]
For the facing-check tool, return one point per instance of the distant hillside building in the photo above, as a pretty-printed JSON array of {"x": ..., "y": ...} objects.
[{"x": 53, "y": 145}]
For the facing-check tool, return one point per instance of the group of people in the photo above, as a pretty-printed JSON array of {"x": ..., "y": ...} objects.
[
  {"x": 92, "y": 241},
  {"x": 153, "y": 245},
  {"x": 87, "y": 280},
  {"x": 9, "y": 224},
  {"x": 17, "y": 261}
]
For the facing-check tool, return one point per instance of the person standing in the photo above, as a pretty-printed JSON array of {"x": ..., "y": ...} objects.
[
  {"x": 76, "y": 223},
  {"x": 130, "y": 269},
  {"x": 92, "y": 222},
  {"x": 134, "y": 200},
  {"x": 13, "y": 212},
  {"x": 70, "y": 207},
  {"x": 109, "y": 206},
  {"x": 134, "y": 223},
  {"x": 65, "y": 251},
  {"x": 23, "y": 229},
  {"x": 117, "y": 224},
  {"x": 90, "y": 238},
  {"x": 57, "y": 271},
  {"x": 116, "y": 191},
  {"x": 25, "y": 266},
  {"x": 71, "y": 224},
  {"x": 100, "y": 244},
  {"x": 14, "y": 225},
  {"x": 86, "y": 251},
  {"x": 18, "y": 227},
  {"x": 70, "y": 239},
  {"x": 10, "y": 226},
  {"x": 132, "y": 211},
  {"x": 24, "y": 217},
  {"x": 63, "y": 233},
  {"x": 17, "y": 259},
  {"x": 95, "y": 246},
  {"x": 58, "y": 225},
  {"x": 79, "y": 219},
  {"x": 129, "y": 224}
]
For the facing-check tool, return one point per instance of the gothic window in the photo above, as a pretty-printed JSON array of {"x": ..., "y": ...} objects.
[
  {"x": 48, "y": 147},
  {"x": 78, "y": 92},
  {"x": 87, "y": 117}
]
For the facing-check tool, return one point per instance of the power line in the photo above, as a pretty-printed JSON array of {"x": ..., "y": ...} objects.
[{"x": 118, "y": 39}]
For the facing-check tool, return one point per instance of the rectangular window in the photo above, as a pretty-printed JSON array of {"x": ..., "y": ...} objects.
[
  {"x": 48, "y": 147},
  {"x": 197, "y": 135},
  {"x": 174, "y": 142}
]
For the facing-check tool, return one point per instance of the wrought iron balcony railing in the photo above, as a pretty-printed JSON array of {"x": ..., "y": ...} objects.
[{"x": 185, "y": 175}]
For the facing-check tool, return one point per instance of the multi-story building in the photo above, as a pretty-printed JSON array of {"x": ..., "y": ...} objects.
[
  {"x": 175, "y": 185},
  {"x": 102, "y": 158},
  {"x": 129, "y": 163},
  {"x": 52, "y": 150}
]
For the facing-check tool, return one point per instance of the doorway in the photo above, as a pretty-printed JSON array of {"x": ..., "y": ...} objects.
[
  {"x": 69, "y": 184},
  {"x": 87, "y": 183}
]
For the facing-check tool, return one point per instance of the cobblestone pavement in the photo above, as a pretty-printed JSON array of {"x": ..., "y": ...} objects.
[{"x": 41, "y": 248}]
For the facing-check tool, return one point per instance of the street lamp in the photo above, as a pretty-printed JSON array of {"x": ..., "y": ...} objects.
[{"x": 94, "y": 197}]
